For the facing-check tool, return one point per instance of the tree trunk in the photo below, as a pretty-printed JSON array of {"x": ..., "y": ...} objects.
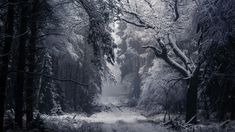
[
  {"x": 31, "y": 59},
  {"x": 191, "y": 98},
  {"x": 38, "y": 91},
  {"x": 21, "y": 64},
  {"x": 4, "y": 60},
  {"x": 191, "y": 101}
]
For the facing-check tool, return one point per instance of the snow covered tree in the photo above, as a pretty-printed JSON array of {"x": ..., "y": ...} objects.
[
  {"x": 215, "y": 24},
  {"x": 165, "y": 25},
  {"x": 48, "y": 91}
]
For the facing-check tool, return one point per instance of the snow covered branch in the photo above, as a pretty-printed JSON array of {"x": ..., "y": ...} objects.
[
  {"x": 179, "y": 53},
  {"x": 139, "y": 23},
  {"x": 146, "y": 26},
  {"x": 163, "y": 54}
]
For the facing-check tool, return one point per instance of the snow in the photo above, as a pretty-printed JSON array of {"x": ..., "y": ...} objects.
[
  {"x": 67, "y": 123},
  {"x": 114, "y": 116},
  {"x": 116, "y": 119},
  {"x": 115, "y": 70},
  {"x": 117, "y": 39},
  {"x": 154, "y": 85},
  {"x": 119, "y": 119}
]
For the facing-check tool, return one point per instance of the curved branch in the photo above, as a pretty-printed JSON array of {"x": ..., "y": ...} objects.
[
  {"x": 176, "y": 10},
  {"x": 163, "y": 54},
  {"x": 149, "y": 4},
  {"x": 177, "y": 66},
  {"x": 179, "y": 53},
  {"x": 146, "y": 26},
  {"x": 141, "y": 23},
  {"x": 157, "y": 52}
]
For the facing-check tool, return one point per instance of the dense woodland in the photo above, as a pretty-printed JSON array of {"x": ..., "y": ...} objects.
[{"x": 175, "y": 57}]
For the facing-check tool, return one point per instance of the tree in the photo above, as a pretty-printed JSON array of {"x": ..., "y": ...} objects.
[
  {"x": 166, "y": 47},
  {"x": 23, "y": 31},
  {"x": 30, "y": 86},
  {"x": 190, "y": 72},
  {"x": 215, "y": 22},
  {"x": 99, "y": 37},
  {"x": 48, "y": 91},
  {"x": 4, "y": 58},
  {"x": 100, "y": 47}
]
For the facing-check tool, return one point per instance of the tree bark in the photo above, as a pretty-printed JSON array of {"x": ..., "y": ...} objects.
[
  {"x": 21, "y": 64},
  {"x": 4, "y": 60},
  {"x": 191, "y": 102},
  {"x": 31, "y": 59}
]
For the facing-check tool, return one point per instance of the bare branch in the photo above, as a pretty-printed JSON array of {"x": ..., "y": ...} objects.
[
  {"x": 157, "y": 52},
  {"x": 149, "y": 4},
  {"x": 39, "y": 38},
  {"x": 191, "y": 119},
  {"x": 136, "y": 16},
  {"x": 14, "y": 37},
  {"x": 50, "y": 77},
  {"x": 137, "y": 24},
  {"x": 58, "y": 4},
  {"x": 178, "y": 79},
  {"x": 141, "y": 23},
  {"x": 223, "y": 75}
]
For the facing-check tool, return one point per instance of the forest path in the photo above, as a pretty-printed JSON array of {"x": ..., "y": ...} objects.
[{"x": 115, "y": 119}]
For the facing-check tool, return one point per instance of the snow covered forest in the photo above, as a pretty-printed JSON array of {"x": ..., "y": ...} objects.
[{"x": 117, "y": 65}]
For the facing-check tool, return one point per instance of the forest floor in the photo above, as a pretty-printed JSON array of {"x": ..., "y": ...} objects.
[
  {"x": 119, "y": 118},
  {"x": 116, "y": 119}
]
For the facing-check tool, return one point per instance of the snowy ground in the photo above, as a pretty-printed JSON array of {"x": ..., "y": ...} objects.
[{"x": 118, "y": 118}]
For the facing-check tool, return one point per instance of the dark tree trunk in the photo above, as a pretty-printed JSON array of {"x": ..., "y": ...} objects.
[
  {"x": 31, "y": 59},
  {"x": 206, "y": 107},
  {"x": 75, "y": 87},
  {"x": 191, "y": 101},
  {"x": 4, "y": 60},
  {"x": 75, "y": 98},
  {"x": 21, "y": 64}
]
